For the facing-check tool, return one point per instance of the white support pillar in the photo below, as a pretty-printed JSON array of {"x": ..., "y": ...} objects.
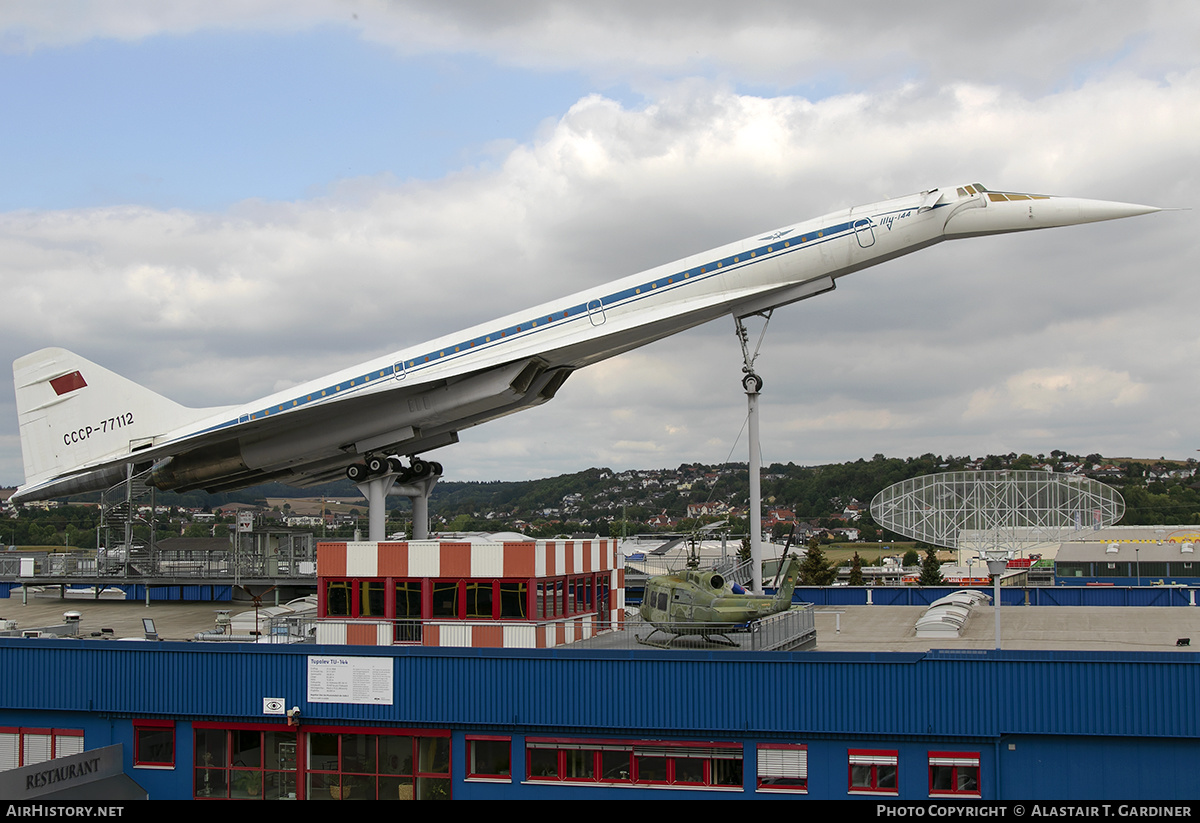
[
  {"x": 418, "y": 492},
  {"x": 376, "y": 490}
]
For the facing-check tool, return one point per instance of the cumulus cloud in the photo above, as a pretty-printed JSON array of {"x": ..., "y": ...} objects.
[
  {"x": 774, "y": 43},
  {"x": 1076, "y": 334},
  {"x": 1060, "y": 390}
]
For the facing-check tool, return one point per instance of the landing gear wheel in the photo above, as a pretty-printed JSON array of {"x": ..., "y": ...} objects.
[
  {"x": 419, "y": 468},
  {"x": 399, "y": 469},
  {"x": 356, "y": 472},
  {"x": 752, "y": 382},
  {"x": 376, "y": 465},
  {"x": 435, "y": 468}
]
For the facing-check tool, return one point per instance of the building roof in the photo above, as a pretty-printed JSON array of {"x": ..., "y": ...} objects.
[{"x": 1145, "y": 552}]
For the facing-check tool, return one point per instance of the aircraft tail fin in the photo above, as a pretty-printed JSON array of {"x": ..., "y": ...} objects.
[
  {"x": 788, "y": 585},
  {"x": 75, "y": 414}
]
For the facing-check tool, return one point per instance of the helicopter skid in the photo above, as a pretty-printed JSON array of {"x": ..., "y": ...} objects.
[{"x": 715, "y": 639}]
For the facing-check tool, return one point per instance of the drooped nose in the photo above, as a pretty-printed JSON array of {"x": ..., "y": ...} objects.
[{"x": 1004, "y": 212}]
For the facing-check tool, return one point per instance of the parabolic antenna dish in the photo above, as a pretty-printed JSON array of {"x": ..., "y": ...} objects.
[{"x": 1011, "y": 510}]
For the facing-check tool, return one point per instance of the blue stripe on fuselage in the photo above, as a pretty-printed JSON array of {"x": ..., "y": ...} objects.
[{"x": 777, "y": 248}]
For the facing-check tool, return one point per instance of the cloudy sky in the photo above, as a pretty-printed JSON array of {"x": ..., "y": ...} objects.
[{"x": 222, "y": 199}]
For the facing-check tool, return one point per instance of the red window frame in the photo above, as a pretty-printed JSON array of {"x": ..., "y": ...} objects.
[
  {"x": 352, "y": 594},
  {"x": 600, "y": 761},
  {"x": 420, "y": 773},
  {"x": 296, "y": 774},
  {"x": 782, "y": 767},
  {"x": 235, "y": 779},
  {"x": 55, "y": 735},
  {"x": 477, "y": 770},
  {"x": 959, "y": 764},
  {"x": 569, "y": 595},
  {"x": 543, "y": 598},
  {"x": 881, "y": 768},
  {"x": 142, "y": 758}
]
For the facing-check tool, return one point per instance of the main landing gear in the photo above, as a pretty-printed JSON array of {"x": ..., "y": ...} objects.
[
  {"x": 377, "y": 476},
  {"x": 377, "y": 465}
]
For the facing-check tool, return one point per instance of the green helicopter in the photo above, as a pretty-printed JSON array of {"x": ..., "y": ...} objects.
[{"x": 704, "y": 603}]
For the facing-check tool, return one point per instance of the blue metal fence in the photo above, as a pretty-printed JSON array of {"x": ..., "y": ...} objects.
[{"x": 1009, "y": 595}]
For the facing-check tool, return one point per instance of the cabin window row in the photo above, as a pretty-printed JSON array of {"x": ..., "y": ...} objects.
[{"x": 465, "y": 598}]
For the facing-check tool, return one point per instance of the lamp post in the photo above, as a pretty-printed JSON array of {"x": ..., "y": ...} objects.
[{"x": 997, "y": 562}]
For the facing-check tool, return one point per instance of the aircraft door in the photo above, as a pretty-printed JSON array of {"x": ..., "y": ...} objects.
[
  {"x": 595, "y": 310},
  {"x": 398, "y": 370},
  {"x": 864, "y": 232},
  {"x": 681, "y": 605}
]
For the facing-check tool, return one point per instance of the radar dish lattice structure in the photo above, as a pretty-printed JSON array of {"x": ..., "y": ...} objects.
[{"x": 990, "y": 510}]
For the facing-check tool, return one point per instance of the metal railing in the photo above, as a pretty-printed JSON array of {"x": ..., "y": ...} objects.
[{"x": 795, "y": 627}]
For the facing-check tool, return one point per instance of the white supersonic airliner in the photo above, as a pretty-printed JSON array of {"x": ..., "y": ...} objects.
[{"x": 84, "y": 427}]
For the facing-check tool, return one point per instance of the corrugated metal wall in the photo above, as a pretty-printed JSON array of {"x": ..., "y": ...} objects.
[{"x": 977, "y": 693}]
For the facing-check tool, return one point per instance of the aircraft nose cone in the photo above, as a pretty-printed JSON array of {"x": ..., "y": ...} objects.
[
  {"x": 1074, "y": 210},
  {"x": 1019, "y": 212}
]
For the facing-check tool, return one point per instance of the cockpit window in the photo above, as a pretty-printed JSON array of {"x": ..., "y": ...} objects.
[
  {"x": 974, "y": 188},
  {"x": 997, "y": 197}
]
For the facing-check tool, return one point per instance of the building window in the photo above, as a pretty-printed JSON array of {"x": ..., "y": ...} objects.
[
  {"x": 408, "y": 611},
  {"x": 154, "y": 744},
  {"x": 479, "y": 599},
  {"x": 250, "y": 763},
  {"x": 445, "y": 599},
  {"x": 874, "y": 772},
  {"x": 274, "y": 762},
  {"x": 514, "y": 599},
  {"x": 339, "y": 598},
  {"x": 954, "y": 773},
  {"x": 408, "y": 599},
  {"x": 667, "y": 763},
  {"x": 372, "y": 598},
  {"x": 782, "y": 767},
  {"x": 24, "y": 747},
  {"x": 489, "y": 758},
  {"x": 348, "y": 766}
]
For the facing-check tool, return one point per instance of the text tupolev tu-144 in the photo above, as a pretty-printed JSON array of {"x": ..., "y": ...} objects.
[{"x": 84, "y": 427}]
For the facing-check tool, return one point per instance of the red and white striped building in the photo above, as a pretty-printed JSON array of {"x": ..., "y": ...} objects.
[{"x": 511, "y": 594}]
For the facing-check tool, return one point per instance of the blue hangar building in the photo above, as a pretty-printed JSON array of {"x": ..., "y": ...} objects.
[{"x": 97, "y": 719}]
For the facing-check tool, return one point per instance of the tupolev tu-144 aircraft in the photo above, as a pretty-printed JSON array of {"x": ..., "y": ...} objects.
[{"x": 83, "y": 427}]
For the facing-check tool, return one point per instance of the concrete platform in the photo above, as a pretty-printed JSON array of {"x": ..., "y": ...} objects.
[
  {"x": 172, "y": 620},
  {"x": 1093, "y": 628},
  {"x": 863, "y": 628}
]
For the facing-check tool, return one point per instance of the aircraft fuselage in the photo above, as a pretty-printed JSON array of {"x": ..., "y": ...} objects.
[{"x": 420, "y": 397}]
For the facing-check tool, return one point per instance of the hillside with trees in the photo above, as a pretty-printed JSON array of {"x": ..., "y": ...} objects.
[{"x": 611, "y": 502}]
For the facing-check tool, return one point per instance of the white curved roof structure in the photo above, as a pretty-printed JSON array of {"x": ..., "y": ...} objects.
[{"x": 996, "y": 509}]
